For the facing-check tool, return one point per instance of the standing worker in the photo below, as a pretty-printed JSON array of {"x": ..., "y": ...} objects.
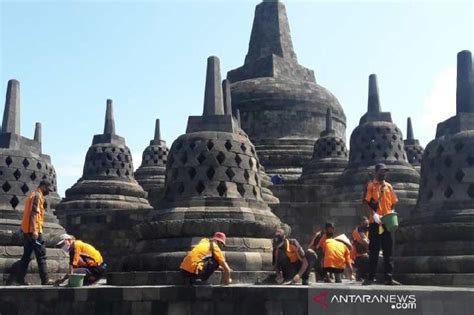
[
  {"x": 380, "y": 199},
  {"x": 205, "y": 258},
  {"x": 32, "y": 228},
  {"x": 83, "y": 259}
]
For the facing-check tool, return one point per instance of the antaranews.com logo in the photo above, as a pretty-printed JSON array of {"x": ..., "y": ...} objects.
[{"x": 326, "y": 300}]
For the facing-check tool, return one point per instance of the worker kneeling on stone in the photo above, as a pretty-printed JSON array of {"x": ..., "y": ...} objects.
[
  {"x": 205, "y": 258},
  {"x": 337, "y": 256},
  {"x": 83, "y": 259},
  {"x": 360, "y": 249},
  {"x": 290, "y": 261}
]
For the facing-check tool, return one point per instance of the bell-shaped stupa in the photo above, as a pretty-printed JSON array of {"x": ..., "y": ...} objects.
[{"x": 213, "y": 183}]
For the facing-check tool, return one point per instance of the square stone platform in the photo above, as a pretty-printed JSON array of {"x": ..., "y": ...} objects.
[{"x": 345, "y": 298}]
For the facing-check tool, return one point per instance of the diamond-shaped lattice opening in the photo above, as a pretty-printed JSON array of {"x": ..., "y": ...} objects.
[
  {"x": 430, "y": 194},
  {"x": 448, "y": 161},
  {"x": 397, "y": 156},
  {"x": 458, "y": 146},
  {"x": 439, "y": 177},
  {"x": 184, "y": 158},
  {"x": 8, "y": 160},
  {"x": 394, "y": 137},
  {"x": 251, "y": 162},
  {"x": 385, "y": 155},
  {"x": 38, "y": 165},
  {"x": 6, "y": 186},
  {"x": 107, "y": 171},
  {"x": 228, "y": 145},
  {"x": 470, "y": 160},
  {"x": 122, "y": 165},
  {"x": 210, "y": 145},
  {"x": 25, "y": 163},
  {"x": 14, "y": 201},
  {"x": 470, "y": 190},
  {"x": 230, "y": 173},
  {"x": 246, "y": 175},
  {"x": 255, "y": 193},
  {"x": 374, "y": 156},
  {"x": 243, "y": 147},
  {"x": 201, "y": 157},
  {"x": 220, "y": 157},
  {"x": 200, "y": 187},
  {"x": 210, "y": 173},
  {"x": 127, "y": 173},
  {"x": 241, "y": 189},
  {"x": 448, "y": 192},
  {"x": 192, "y": 173},
  {"x": 24, "y": 188},
  {"x": 120, "y": 157},
  {"x": 33, "y": 176},
  {"x": 17, "y": 174},
  {"x": 192, "y": 145},
  {"x": 110, "y": 156},
  {"x": 252, "y": 150},
  {"x": 181, "y": 188},
  {"x": 459, "y": 175},
  {"x": 222, "y": 189},
  {"x": 118, "y": 173},
  {"x": 238, "y": 160}
]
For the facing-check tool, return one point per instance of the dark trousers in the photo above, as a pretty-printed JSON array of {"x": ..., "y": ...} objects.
[
  {"x": 362, "y": 266},
  {"x": 378, "y": 241},
  {"x": 289, "y": 269},
  {"x": 336, "y": 271},
  {"x": 210, "y": 266},
  {"x": 92, "y": 274},
  {"x": 38, "y": 247}
]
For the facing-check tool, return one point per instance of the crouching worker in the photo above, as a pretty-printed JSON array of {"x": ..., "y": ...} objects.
[
  {"x": 360, "y": 248},
  {"x": 205, "y": 258},
  {"x": 290, "y": 262},
  {"x": 337, "y": 256},
  {"x": 83, "y": 259}
]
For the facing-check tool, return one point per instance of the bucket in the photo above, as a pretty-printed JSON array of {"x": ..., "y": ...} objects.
[
  {"x": 390, "y": 221},
  {"x": 76, "y": 280}
]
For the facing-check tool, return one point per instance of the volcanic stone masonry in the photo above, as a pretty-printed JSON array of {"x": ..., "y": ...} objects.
[
  {"x": 413, "y": 148},
  {"x": 151, "y": 173},
  {"x": 106, "y": 201},
  {"x": 213, "y": 183},
  {"x": 435, "y": 245},
  {"x": 22, "y": 167},
  {"x": 376, "y": 140},
  {"x": 281, "y": 106}
]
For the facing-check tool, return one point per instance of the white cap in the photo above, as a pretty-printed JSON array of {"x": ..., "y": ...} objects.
[
  {"x": 64, "y": 237},
  {"x": 343, "y": 238}
]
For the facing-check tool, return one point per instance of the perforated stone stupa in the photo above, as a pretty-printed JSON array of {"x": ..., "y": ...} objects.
[
  {"x": 22, "y": 167},
  {"x": 376, "y": 140},
  {"x": 413, "y": 148},
  {"x": 107, "y": 180},
  {"x": 436, "y": 242},
  {"x": 213, "y": 183},
  {"x": 151, "y": 173},
  {"x": 282, "y": 108},
  {"x": 330, "y": 158}
]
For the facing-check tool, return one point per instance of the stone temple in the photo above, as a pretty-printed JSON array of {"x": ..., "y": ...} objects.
[
  {"x": 151, "y": 173},
  {"x": 213, "y": 183},
  {"x": 106, "y": 201},
  {"x": 436, "y": 243},
  {"x": 22, "y": 167},
  {"x": 282, "y": 108},
  {"x": 413, "y": 148}
]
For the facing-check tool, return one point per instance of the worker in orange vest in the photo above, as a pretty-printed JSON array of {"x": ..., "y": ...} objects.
[
  {"x": 360, "y": 249},
  {"x": 205, "y": 258},
  {"x": 337, "y": 257},
  {"x": 32, "y": 228},
  {"x": 380, "y": 199},
  {"x": 83, "y": 259}
]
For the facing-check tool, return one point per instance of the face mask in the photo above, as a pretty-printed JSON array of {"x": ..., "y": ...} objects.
[
  {"x": 65, "y": 248},
  {"x": 380, "y": 177},
  {"x": 277, "y": 241}
]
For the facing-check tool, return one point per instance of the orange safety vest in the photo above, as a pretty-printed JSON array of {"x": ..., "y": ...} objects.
[{"x": 34, "y": 200}]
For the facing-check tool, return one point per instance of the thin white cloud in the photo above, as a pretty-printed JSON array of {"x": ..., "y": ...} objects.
[{"x": 441, "y": 101}]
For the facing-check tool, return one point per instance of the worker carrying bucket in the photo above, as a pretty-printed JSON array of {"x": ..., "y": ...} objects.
[{"x": 380, "y": 200}]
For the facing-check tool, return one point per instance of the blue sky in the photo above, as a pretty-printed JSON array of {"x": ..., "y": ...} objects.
[{"x": 150, "y": 58}]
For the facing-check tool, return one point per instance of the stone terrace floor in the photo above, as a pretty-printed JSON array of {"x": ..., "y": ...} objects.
[{"x": 346, "y": 298}]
